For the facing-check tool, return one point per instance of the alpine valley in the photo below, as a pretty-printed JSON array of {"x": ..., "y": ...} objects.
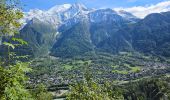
[{"x": 114, "y": 45}]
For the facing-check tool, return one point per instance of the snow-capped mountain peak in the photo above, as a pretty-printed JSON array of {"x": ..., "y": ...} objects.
[
  {"x": 57, "y": 14},
  {"x": 60, "y": 14},
  {"x": 103, "y": 15},
  {"x": 59, "y": 8},
  {"x": 79, "y": 6}
]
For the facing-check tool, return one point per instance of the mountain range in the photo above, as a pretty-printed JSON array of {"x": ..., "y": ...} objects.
[{"x": 74, "y": 30}]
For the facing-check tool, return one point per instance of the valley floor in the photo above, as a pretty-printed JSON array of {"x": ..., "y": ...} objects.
[{"x": 104, "y": 67}]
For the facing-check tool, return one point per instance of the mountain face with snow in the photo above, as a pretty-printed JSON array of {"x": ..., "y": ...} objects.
[
  {"x": 59, "y": 14},
  {"x": 63, "y": 23},
  {"x": 74, "y": 30}
]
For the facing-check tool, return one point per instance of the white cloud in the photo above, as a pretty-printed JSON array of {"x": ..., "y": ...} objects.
[{"x": 142, "y": 11}]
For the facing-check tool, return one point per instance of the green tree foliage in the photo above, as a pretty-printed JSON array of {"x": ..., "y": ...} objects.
[
  {"x": 145, "y": 89},
  {"x": 41, "y": 93},
  {"x": 12, "y": 75},
  {"x": 12, "y": 82},
  {"x": 10, "y": 14},
  {"x": 148, "y": 89},
  {"x": 88, "y": 89}
]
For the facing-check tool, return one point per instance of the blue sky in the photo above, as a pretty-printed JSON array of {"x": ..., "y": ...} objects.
[{"x": 46, "y": 4}]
